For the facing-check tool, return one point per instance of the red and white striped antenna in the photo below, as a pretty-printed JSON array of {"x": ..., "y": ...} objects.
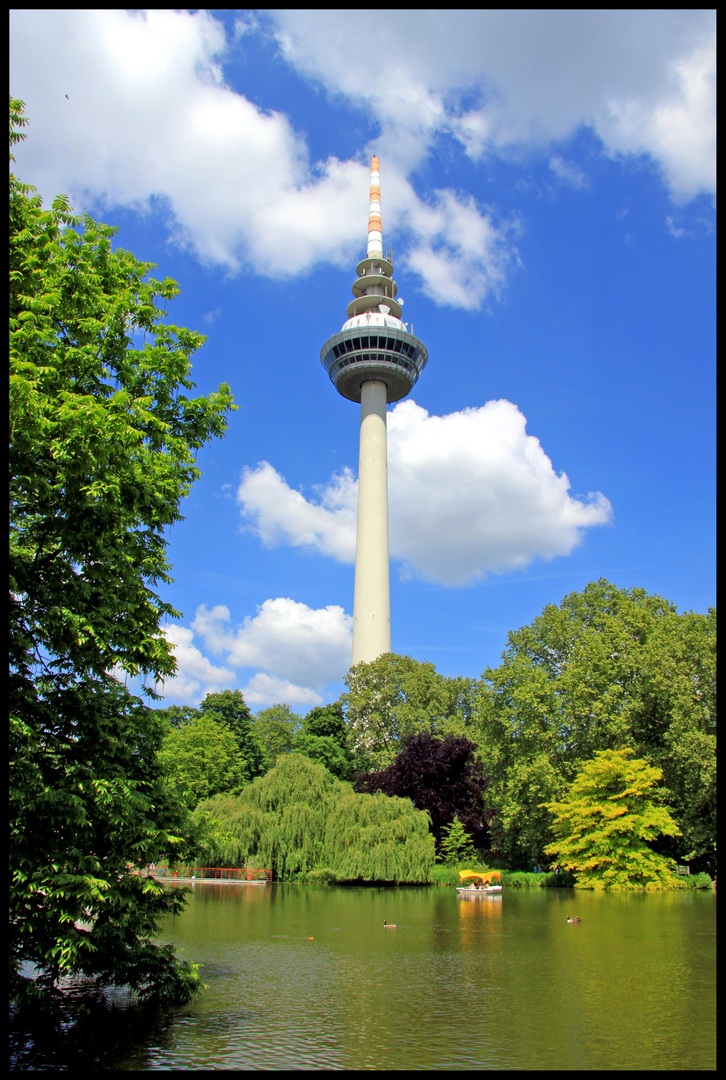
[{"x": 375, "y": 234}]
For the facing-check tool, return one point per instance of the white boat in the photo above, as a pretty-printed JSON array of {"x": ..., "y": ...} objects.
[
  {"x": 472, "y": 890},
  {"x": 485, "y": 883}
]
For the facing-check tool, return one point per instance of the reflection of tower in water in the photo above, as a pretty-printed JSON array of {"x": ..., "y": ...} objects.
[{"x": 374, "y": 360}]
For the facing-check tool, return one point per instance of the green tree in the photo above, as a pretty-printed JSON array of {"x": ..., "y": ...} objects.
[
  {"x": 202, "y": 758},
  {"x": 378, "y": 838},
  {"x": 324, "y": 738},
  {"x": 396, "y": 696},
  {"x": 605, "y": 824},
  {"x": 606, "y": 668},
  {"x": 327, "y": 721},
  {"x": 456, "y": 843},
  {"x": 274, "y": 730},
  {"x": 229, "y": 707},
  {"x": 675, "y": 726},
  {"x": 103, "y": 440},
  {"x": 176, "y": 715}
]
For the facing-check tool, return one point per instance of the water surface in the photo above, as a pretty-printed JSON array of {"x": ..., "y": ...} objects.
[{"x": 492, "y": 982}]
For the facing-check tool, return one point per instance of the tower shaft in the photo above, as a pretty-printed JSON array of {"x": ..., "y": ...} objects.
[{"x": 371, "y": 598}]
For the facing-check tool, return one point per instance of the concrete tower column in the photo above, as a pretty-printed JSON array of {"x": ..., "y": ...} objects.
[{"x": 372, "y": 598}]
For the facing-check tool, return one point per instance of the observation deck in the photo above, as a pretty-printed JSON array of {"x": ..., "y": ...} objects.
[{"x": 376, "y": 347}]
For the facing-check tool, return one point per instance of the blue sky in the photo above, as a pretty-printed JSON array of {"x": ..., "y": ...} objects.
[{"x": 548, "y": 186}]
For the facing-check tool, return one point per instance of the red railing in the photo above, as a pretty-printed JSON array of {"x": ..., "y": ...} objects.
[{"x": 211, "y": 873}]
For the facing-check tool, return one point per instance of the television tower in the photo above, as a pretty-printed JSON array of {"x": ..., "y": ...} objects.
[{"x": 374, "y": 360}]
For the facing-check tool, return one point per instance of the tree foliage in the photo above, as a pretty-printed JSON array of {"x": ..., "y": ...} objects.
[
  {"x": 298, "y": 817},
  {"x": 324, "y": 738},
  {"x": 229, "y": 707},
  {"x": 440, "y": 776},
  {"x": 456, "y": 843},
  {"x": 378, "y": 838},
  {"x": 103, "y": 438},
  {"x": 202, "y": 758},
  {"x": 607, "y": 821},
  {"x": 607, "y": 668},
  {"x": 274, "y": 730},
  {"x": 176, "y": 715},
  {"x": 396, "y": 696}
]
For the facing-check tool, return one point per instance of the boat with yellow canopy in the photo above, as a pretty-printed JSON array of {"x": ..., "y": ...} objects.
[{"x": 479, "y": 883}]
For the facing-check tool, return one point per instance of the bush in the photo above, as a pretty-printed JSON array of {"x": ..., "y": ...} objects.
[
  {"x": 695, "y": 881},
  {"x": 520, "y": 880},
  {"x": 321, "y": 875},
  {"x": 444, "y": 875}
]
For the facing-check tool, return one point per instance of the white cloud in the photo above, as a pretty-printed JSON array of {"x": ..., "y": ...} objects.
[
  {"x": 148, "y": 116},
  {"x": 460, "y": 252},
  {"x": 569, "y": 173},
  {"x": 196, "y": 676},
  {"x": 264, "y": 689},
  {"x": 278, "y": 515},
  {"x": 285, "y": 638},
  {"x": 678, "y": 129},
  {"x": 294, "y": 652},
  {"x": 498, "y": 80},
  {"x": 149, "y": 121},
  {"x": 470, "y": 494}
]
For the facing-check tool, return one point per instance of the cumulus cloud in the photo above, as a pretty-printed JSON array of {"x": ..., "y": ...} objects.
[
  {"x": 286, "y": 638},
  {"x": 470, "y": 494},
  {"x": 150, "y": 123},
  {"x": 278, "y": 514},
  {"x": 292, "y": 650},
  {"x": 196, "y": 676},
  {"x": 149, "y": 117},
  {"x": 500, "y": 80},
  {"x": 264, "y": 689}
]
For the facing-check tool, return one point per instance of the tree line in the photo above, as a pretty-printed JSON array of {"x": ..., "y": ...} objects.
[{"x": 607, "y": 669}]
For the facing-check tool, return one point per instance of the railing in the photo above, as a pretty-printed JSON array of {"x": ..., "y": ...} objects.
[{"x": 211, "y": 873}]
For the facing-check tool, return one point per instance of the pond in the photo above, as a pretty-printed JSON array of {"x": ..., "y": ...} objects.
[{"x": 306, "y": 977}]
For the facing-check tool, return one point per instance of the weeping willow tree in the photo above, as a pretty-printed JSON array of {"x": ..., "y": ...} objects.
[
  {"x": 378, "y": 838},
  {"x": 298, "y": 817},
  {"x": 279, "y": 819}
]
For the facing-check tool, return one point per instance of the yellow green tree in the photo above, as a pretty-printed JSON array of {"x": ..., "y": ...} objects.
[
  {"x": 299, "y": 817},
  {"x": 605, "y": 823}
]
